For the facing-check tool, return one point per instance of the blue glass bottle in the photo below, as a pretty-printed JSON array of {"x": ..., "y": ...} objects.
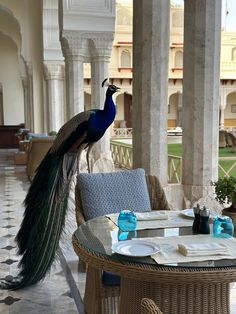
[{"x": 223, "y": 227}]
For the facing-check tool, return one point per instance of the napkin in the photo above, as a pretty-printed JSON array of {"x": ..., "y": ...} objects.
[
  {"x": 198, "y": 249},
  {"x": 153, "y": 215}
]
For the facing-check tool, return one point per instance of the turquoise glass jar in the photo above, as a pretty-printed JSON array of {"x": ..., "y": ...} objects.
[
  {"x": 223, "y": 227},
  {"x": 127, "y": 220}
]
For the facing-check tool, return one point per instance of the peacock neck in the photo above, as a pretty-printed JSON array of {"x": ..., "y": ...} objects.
[{"x": 109, "y": 109}]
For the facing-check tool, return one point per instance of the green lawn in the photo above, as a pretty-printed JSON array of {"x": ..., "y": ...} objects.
[{"x": 176, "y": 150}]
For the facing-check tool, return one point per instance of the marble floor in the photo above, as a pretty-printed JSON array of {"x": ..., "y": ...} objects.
[
  {"x": 63, "y": 287},
  {"x": 62, "y": 290}
]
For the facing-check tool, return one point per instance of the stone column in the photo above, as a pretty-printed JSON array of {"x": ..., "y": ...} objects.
[
  {"x": 202, "y": 25},
  {"x": 74, "y": 58},
  {"x": 223, "y": 104},
  {"x": 101, "y": 155},
  {"x": 1, "y": 107},
  {"x": 179, "y": 109},
  {"x": 54, "y": 76},
  {"x": 150, "y": 85},
  {"x": 27, "y": 85}
]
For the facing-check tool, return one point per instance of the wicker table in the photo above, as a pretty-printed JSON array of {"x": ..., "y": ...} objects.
[{"x": 183, "y": 288}]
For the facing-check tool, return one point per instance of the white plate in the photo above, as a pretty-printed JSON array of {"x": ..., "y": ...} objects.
[
  {"x": 135, "y": 248},
  {"x": 188, "y": 212}
]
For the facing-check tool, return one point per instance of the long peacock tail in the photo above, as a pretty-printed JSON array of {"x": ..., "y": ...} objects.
[{"x": 44, "y": 219}]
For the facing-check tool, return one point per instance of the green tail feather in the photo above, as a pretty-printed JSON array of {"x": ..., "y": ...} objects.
[{"x": 44, "y": 219}]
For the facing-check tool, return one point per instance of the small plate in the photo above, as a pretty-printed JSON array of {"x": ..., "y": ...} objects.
[
  {"x": 135, "y": 248},
  {"x": 188, "y": 212}
]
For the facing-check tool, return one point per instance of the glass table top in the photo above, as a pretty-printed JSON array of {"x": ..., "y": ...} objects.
[{"x": 99, "y": 234}]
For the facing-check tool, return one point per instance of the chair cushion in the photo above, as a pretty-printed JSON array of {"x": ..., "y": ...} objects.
[
  {"x": 36, "y": 135},
  {"x": 105, "y": 193}
]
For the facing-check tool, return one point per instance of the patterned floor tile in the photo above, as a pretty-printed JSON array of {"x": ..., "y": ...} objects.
[{"x": 49, "y": 296}]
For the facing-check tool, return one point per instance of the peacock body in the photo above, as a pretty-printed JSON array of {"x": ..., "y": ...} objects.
[{"x": 47, "y": 198}]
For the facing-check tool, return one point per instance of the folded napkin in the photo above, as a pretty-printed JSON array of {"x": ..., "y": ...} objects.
[
  {"x": 153, "y": 215},
  {"x": 199, "y": 249}
]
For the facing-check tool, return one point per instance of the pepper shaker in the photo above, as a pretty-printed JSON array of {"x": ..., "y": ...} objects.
[
  {"x": 204, "y": 227},
  {"x": 196, "y": 222}
]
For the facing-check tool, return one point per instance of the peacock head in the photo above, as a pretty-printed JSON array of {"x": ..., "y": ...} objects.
[{"x": 111, "y": 89}]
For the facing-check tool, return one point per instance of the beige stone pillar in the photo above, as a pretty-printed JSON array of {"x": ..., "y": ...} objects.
[
  {"x": 27, "y": 85},
  {"x": 150, "y": 85},
  {"x": 202, "y": 24},
  {"x": 54, "y": 76},
  {"x": 1, "y": 107},
  {"x": 223, "y": 103},
  {"x": 101, "y": 159},
  {"x": 74, "y": 58}
]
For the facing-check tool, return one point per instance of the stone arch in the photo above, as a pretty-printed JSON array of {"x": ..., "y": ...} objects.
[
  {"x": 179, "y": 59},
  {"x": 230, "y": 110},
  {"x": 120, "y": 112},
  {"x": 175, "y": 110},
  {"x": 123, "y": 110},
  {"x": 10, "y": 26}
]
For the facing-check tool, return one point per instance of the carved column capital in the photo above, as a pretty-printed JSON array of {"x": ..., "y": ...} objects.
[
  {"x": 74, "y": 46},
  {"x": 102, "y": 46},
  {"x": 53, "y": 71},
  {"x": 87, "y": 46}
]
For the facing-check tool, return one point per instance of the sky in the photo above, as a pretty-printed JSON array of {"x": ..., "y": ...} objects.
[{"x": 228, "y": 20}]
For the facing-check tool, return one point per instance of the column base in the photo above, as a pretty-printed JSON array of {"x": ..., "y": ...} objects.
[{"x": 203, "y": 195}]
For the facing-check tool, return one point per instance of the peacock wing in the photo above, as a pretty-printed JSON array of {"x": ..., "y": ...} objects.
[{"x": 67, "y": 132}]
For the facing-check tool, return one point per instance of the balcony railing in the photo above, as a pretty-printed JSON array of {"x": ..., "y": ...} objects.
[
  {"x": 122, "y": 132},
  {"x": 122, "y": 155}
]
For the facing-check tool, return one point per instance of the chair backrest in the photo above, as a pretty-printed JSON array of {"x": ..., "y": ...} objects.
[
  {"x": 156, "y": 195},
  {"x": 38, "y": 148},
  {"x": 148, "y": 306}
]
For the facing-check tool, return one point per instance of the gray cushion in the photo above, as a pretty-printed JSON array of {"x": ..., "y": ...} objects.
[{"x": 105, "y": 193}]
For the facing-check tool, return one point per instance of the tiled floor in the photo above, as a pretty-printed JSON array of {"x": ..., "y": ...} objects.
[{"x": 57, "y": 293}]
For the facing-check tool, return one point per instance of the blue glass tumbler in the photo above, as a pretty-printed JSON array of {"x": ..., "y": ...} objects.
[
  {"x": 223, "y": 227},
  {"x": 127, "y": 220}
]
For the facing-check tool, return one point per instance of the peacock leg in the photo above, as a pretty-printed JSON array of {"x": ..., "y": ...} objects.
[{"x": 87, "y": 156}]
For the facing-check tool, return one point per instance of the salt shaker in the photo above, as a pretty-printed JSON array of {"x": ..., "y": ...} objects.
[
  {"x": 204, "y": 227},
  {"x": 196, "y": 222}
]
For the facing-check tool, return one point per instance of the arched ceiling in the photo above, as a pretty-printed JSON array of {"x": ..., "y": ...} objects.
[{"x": 10, "y": 26}]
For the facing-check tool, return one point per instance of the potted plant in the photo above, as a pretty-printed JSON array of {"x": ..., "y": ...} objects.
[{"x": 225, "y": 190}]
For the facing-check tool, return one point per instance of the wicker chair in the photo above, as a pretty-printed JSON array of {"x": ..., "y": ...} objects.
[
  {"x": 38, "y": 148},
  {"x": 148, "y": 306},
  {"x": 99, "y": 298}
]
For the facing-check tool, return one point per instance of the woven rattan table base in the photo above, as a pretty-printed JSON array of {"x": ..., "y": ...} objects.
[
  {"x": 175, "y": 299},
  {"x": 175, "y": 290}
]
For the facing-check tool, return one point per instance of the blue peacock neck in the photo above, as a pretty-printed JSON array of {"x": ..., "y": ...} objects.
[{"x": 109, "y": 109}]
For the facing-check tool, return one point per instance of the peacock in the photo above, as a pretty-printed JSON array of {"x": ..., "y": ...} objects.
[{"x": 47, "y": 197}]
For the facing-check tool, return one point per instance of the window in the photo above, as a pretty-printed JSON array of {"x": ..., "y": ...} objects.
[
  {"x": 125, "y": 59},
  {"x": 234, "y": 54},
  {"x": 124, "y": 17},
  {"x": 177, "y": 19},
  {"x": 179, "y": 59}
]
